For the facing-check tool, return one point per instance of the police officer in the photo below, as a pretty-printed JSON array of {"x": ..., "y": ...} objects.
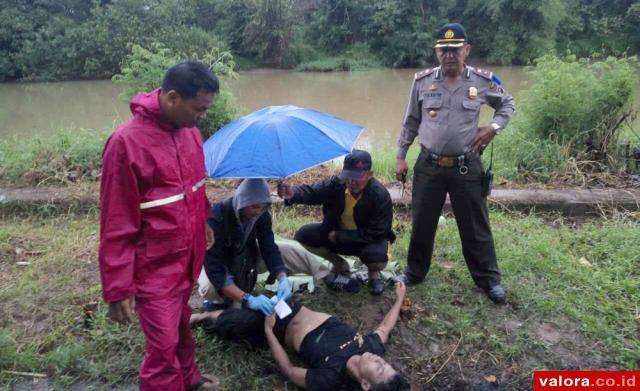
[{"x": 443, "y": 111}]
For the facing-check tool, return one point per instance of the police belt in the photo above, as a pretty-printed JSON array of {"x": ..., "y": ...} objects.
[{"x": 460, "y": 161}]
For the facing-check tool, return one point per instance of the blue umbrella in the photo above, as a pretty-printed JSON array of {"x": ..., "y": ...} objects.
[{"x": 276, "y": 142}]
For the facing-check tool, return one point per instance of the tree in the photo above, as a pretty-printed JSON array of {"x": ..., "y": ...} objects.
[
  {"x": 513, "y": 31},
  {"x": 269, "y": 31}
]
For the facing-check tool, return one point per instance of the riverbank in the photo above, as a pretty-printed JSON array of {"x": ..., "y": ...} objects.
[
  {"x": 566, "y": 202},
  {"x": 573, "y": 294}
]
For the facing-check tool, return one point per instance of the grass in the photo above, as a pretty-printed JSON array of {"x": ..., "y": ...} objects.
[
  {"x": 573, "y": 303},
  {"x": 63, "y": 157},
  {"x": 356, "y": 58},
  {"x": 384, "y": 162},
  {"x": 338, "y": 64}
]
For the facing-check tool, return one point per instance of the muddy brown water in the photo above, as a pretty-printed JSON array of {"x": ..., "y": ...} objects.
[{"x": 375, "y": 99}]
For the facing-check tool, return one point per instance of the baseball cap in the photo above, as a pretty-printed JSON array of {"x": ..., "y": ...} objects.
[
  {"x": 356, "y": 164},
  {"x": 451, "y": 35}
]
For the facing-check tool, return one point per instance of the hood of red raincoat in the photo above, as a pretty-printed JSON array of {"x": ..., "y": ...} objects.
[{"x": 147, "y": 104}]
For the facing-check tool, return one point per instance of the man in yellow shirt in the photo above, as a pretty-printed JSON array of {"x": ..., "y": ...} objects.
[{"x": 357, "y": 219}]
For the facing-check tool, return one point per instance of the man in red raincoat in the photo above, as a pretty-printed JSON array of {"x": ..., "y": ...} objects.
[{"x": 153, "y": 231}]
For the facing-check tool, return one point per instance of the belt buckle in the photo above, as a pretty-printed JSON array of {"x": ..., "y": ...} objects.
[{"x": 447, "y": 162}]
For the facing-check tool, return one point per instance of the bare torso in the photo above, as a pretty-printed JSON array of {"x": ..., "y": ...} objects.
[{"x": 302, "y": 324}]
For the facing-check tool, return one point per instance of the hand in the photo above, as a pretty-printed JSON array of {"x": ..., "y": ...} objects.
[
  {"x": 332, "y": 236},
  {"x": 483, "y": 138},
  {"x": 260, "y": 303},
  {"x": 211, "y": 237},
  {"x": 122, "y": 311},
  {"x": 285, "y": 191},
  {"x": 269, "y": 322},
  {"x": 401, "y": 290},
  {"x": 401, "y": 170},
  {"x": 284, "y": 288}
]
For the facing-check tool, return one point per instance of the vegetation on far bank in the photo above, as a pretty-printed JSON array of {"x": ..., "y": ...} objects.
[
  {"x": 573, "y": 294},
  {"x": 77, "y": 39},
  {"x": 355, "y": 58},
  {"x": 573, "y": 123},
  {"x": 144, "y": 69}
]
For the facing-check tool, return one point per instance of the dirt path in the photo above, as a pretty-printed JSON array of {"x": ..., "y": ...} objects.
[{"x": 569, "y": 202}]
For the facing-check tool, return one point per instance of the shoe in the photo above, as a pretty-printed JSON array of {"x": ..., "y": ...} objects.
[
  {"x": 376, "y": 286},
  {"x": 404, "y": 277},
  {"x": 497, "y": 294},
  {"x": 342, "y": 282}
]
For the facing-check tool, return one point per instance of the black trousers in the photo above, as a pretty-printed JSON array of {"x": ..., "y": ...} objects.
[
  {"x": 243, "y": 324},
  {"x": 431, "y": 184},
  {"x": 314, "y": 235}
]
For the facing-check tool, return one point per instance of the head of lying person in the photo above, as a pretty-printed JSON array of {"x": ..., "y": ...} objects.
[{"x": 375, "y": 374}]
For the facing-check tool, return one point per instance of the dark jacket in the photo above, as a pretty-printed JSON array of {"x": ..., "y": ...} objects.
[
  {"x": 229, "y": 257},
  {"x": 373, "y": 213}
]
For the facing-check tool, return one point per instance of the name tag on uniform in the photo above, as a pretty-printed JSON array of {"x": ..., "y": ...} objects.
[{"x": 432, "y": 94}]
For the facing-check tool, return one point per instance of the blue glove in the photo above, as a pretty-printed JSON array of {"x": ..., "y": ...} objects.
[
  {"x": 284, "y": 288},
  {"x": 260, "y": 303}
]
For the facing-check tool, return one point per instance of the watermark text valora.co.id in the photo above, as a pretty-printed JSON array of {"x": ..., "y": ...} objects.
[{"x": 586, "y": 380}]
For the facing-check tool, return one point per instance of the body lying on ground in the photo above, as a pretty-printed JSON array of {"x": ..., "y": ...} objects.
[{"x": 334, "y": 355}]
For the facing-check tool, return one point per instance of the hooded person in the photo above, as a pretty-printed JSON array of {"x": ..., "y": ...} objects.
[{"x": 244, "y": 235}]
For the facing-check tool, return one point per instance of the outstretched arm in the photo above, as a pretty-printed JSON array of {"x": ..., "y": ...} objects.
[
  {"x": 295, "y": 374},
  {"x": 389, "y": 321}
]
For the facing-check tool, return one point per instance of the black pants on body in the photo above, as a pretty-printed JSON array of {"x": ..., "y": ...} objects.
[
  {"x": 246, "y": 325},
  {"x": 314, "y": 235},
  {"x": 431, "y": 184}
]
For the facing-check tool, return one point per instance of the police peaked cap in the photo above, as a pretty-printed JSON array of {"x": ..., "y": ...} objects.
[{"x": 451, "y": 35}]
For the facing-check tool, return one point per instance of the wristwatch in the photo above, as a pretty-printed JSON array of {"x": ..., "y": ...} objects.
[{"x": 496, "y": 128}]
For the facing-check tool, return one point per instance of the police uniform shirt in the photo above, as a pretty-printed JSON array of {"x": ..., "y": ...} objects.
[{"x": 444, "y": 118}]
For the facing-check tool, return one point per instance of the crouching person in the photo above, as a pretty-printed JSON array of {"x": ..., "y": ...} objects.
[
  {"x": 244, "y": 235},
  {"x": 357, "y": 220}
]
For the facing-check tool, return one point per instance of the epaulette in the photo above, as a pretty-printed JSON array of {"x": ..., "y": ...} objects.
[
  {"x": 482, "y": 72},
  {"x": 423, "y": 73}
]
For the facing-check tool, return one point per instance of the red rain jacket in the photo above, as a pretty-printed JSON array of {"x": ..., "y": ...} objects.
[{"x": 153, "y": 206}]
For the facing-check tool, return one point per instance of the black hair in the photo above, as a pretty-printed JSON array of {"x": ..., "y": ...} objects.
[
  {"x": 187, "y": 77},
  {"x": 396, "y": 383}
]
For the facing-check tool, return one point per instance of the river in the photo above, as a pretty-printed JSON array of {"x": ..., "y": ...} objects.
[{"x": 375, "y": 99}]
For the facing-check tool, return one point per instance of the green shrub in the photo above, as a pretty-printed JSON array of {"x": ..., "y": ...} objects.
[
  {"x": 355, "y": 58},
  {"x": 299, "y": 52},
  {"x": 144, "y": 69},
  {"x": 572, "y": 112},
  {"x": 579, "y": 103}
]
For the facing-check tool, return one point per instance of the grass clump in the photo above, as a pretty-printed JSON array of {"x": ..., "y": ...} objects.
[
  {"x": 63, "y": 157},
  {"x": 356, "y": 58},
  {"x": 574, "y": 111}
]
